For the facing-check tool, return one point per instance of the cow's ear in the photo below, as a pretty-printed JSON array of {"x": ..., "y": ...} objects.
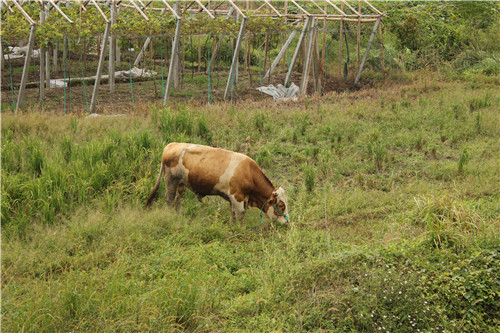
[{"x": 274, "y": 197}]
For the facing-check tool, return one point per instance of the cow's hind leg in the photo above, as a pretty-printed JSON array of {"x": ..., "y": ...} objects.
[
  {"x": 181, "y": 188},
  {"x": 171, "y": 187}
]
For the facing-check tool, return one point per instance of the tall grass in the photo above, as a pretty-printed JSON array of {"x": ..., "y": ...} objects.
[{"x": 394, "y": 218}]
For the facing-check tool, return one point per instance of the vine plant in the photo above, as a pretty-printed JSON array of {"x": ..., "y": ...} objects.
[{"x": 129, "y": 23}]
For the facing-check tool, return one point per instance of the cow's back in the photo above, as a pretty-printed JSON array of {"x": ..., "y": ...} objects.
[
  {"x": 172, "y": 153},
  {"x": 206, "y": 170}
]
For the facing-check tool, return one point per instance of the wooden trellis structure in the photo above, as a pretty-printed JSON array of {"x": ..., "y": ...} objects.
[{"x": 289, "y": 12}]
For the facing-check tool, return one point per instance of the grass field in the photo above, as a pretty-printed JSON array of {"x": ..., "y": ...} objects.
[{"x": 395, "y": 209}]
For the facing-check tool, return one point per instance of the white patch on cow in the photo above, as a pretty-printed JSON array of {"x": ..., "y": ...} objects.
[
  {"x": 180, "y": 170},
  {"x": 223, "y": 183}
]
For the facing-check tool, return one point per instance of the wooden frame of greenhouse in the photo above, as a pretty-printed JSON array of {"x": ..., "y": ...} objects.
[{"x": 304, "y": 26}]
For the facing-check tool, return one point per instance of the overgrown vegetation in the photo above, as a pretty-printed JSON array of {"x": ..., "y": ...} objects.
[
  {"x": 394, "y": 208},
  {"x": 395, "y": 203}
]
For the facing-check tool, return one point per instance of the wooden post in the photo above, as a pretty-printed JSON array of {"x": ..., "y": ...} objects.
[
  {"x": 183, "y": 62},
  {"x": 65, "y": 50},
  {"x": 266, "y": 48},
  {"x": 305, "y": 70},
  {"x": 245, "y": 57},
  {"x": 141, "y": 54},
  {"x": 54, "y": 57},
  {"x": 118, "y": 53},
  {"x": 296, "y": 53},
  {"x": 176, "y": 60},
  {"x": 381, "y": 50},
  {"x": 47, "y": 60},
  {"x": 24, "y": 79},
  {"x": 340, "y": 42},
  {"x": 236, "y": 68},
  {"x": 199, "y": 53},
  {"x": 100, "y": 66},
  {"x": 317, "y": 62},
  {"x": 42, "y": 59},
  {"x": 359, "y": 35},
  {"x": 323, "y": 51},
  {"x": 281, "y": 53},
  {"x": 2, "y": 60},
  {"x": 367, "y": 50},
  {"x": 112, "y": 50},
  {"x": 234, "y": 63},
  {"x": 175, "y": 46}
]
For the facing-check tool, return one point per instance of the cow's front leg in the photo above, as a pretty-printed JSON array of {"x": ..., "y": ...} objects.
[
  {"x": 233, "y": 215},
  {"x": 237, "y": 210}
]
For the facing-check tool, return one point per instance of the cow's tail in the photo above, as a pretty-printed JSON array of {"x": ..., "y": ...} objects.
[{"x": 152, "y": 195}]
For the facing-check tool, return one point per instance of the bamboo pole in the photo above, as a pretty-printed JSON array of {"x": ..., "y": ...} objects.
[
  {"x": 305, "y": 71},
  {"x": 296, "y": 53},
  {"x": 47, "y": 67},
  {"x": 199, "y": 54},
  {"x": 317, "y": 62},
  {"x": 42, "y": 59},
  {"x": 266, "y": 48},
  {"x": 245, "y": 57},
  {"x": 55, "y": 56},
  {"x": 235, "y": 56},
  {"x": 65, "y": 50},
  {"x": 100, "y": 66},
  {"x": 24, "y": 78},
  {"x": 381, "y": 50},
  {"x": 175, "y": 46},
  {"x": 358, "y": 40},
  {"x": 141, "y": 53},
  {"x": 367, "y": 50},
  {"x": 340, "y": 43},
  {"x": 323, "y": 54},
  {"x": 282, "y": 52},
  {"x": 176, "y": 60},
  {"x": 2, "y": 60},
  {"x": 112, "y": 51}
]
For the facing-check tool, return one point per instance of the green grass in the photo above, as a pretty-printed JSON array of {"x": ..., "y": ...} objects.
[{"x": 395, "y": 214}]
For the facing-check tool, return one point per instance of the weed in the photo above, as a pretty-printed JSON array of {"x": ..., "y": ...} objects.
[
  {"x": 81, "y": 253},
  {"x": 35, "y": 157},
  {"x": 478, "y": 103},
  {"x": 204, "y": 130},
  {"x": 463, "y": 160},
  {"x": 309, "y": 178},
  {"x": 67, "y": 147},
  {"x": 447, "y": 220},
  {"x": 74, "y": 124}
]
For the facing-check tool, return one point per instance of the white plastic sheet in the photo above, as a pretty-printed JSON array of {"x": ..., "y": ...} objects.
[{"x": 281, "y": 93}]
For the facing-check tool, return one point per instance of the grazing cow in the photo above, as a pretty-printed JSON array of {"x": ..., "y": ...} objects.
[{"x": 214, "y": 171}]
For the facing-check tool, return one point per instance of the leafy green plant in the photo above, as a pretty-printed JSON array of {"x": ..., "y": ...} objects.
[
  {"x": 463, "y": 160},
  {"x": 309, "y": 178}
]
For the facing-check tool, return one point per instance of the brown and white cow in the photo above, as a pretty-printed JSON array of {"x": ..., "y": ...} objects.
[{"x": 214, "y": 171}]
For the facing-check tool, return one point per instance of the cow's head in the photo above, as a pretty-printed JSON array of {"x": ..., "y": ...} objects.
[{"x": 277, "y": 209}]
